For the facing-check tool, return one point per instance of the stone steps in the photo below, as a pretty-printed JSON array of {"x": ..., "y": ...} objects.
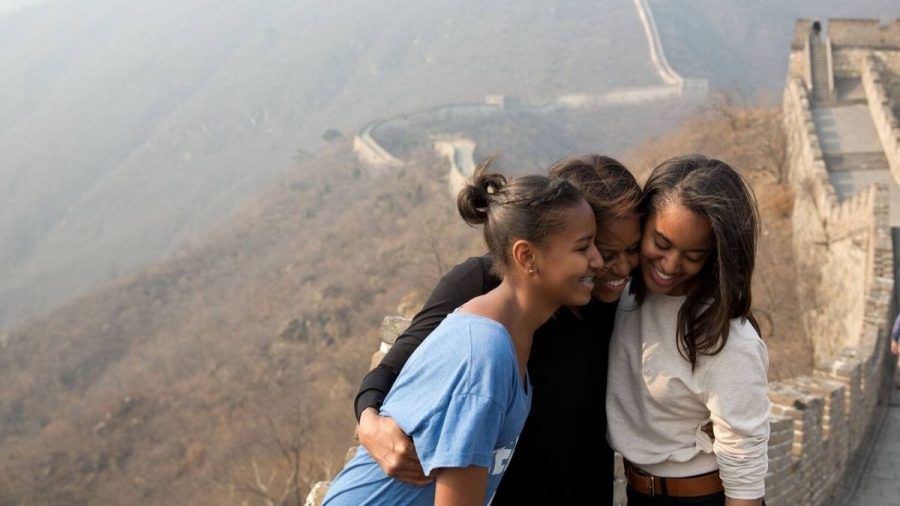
[{"x": 820, "y": 72}]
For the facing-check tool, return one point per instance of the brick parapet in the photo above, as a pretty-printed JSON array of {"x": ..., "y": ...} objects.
[
  {"x": 808, "y": 174},
  {"x": 851, "y": 239},
  {"x": 881, "y": 108},
  {"x": 869, "y": 33}
]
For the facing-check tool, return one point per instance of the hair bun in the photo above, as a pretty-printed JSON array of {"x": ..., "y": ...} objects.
[{"x": 474, "y": 200}]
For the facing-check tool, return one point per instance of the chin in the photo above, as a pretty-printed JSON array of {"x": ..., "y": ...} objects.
[
  {"x": 652, "y": 287},
  {"x": 604, "y": 296},
  {"x": 579, "y": 299}
]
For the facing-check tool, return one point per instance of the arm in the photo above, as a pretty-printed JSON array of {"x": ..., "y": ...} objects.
[
  {"x": 464, "y": 282},
  {"x": 743, "y": 502},
  {"x": 736, "y": 392},
  {"x": 895, "y": 337},
  {"x": 461, "y": 486},
  {"x": 381, "y": 436}
]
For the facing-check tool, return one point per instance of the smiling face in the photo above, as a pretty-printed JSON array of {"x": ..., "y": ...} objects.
[
  {"x": 619, "y": 241},
  {"x": 569, "y": 260},
  {"x": 675, "y": 246}
]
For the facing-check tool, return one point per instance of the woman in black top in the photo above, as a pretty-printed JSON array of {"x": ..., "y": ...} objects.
[{"x": 562, "y": 455}]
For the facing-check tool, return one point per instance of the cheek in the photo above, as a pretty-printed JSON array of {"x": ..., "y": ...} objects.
[
  {"x": 634, "y": 261},
  {"x": 648, "y": 251},
  {"x": 694, "y": 268}
]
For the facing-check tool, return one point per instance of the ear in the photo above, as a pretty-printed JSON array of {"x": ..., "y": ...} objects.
[{"x": 524, "y": 255}]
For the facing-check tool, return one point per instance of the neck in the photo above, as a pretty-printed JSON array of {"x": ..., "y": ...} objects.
[{"x": 518, "y": 308}]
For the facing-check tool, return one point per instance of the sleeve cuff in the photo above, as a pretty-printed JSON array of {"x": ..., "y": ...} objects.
[{"x": 368, "y": 399}]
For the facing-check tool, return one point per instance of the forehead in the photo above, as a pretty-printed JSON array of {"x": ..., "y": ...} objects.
[
  {"x": 579, "y": 221},
  {"x": 619, "y": 232},
  {"x": 684, "y": 228}
]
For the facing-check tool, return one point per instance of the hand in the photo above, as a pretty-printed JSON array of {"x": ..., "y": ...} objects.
[
  {"x": 895, "y": 349},
  {"x": 391, "y": 448}
]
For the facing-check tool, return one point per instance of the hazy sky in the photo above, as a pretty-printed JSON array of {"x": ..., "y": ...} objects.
[{"x": 7, "y": 6}]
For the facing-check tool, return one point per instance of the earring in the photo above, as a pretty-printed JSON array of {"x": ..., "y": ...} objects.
[{"x": 532, "y": 270}]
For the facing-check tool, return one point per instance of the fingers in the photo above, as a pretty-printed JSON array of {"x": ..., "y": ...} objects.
[
  {"x": 392, "y": 449},
  {"x": 413, "y": 478},
  {"x": 406, "y": 469}
]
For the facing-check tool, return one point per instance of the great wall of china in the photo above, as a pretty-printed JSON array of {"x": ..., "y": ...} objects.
[
  {"x": 376, "y": 156},
  {"x": 840, "y": 109}
]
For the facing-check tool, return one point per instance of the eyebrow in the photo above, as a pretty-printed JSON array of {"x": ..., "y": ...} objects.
[
  {"x": 587, "y": 237},
  {"x": 600, "y": 243},
  {"x": 696, "y": 250}
]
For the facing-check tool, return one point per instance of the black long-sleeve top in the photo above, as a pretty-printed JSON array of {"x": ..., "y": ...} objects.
[{"x": 562, "y": 456}]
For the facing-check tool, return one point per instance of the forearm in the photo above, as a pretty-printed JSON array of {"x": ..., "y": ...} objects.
[
  {"x": 743, "y": 502},
  {"x": 462, "y": 283},
  {"x": 378, "y": 382},
  {"x": 465, "y": 486}
]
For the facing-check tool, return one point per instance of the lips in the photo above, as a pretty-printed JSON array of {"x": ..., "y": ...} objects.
[
  {"x": 615, "y": 284},
  {"x": 587, "y": 281},
  {"x": 661, "y": 278}
]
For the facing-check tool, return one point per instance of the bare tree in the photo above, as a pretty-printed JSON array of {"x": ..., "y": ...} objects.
[{"x": 273, "y": 470}]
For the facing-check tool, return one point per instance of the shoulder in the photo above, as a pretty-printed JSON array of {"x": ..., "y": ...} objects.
[
  {"x": 477, "y": 338},
  {"x": 744, "y": 350},
  {"x": 473, "y": 356},
  {"x": 742, "y": 336}
]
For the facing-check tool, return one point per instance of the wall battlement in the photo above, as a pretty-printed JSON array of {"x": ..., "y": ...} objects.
[
  {"x": 864, "y": 32},
  {"x": 845, "y": 258},
  {"x": 881, "y": 105}
]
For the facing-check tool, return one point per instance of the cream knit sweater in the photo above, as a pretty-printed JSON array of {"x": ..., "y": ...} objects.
[{"x": 656, "y": 405}]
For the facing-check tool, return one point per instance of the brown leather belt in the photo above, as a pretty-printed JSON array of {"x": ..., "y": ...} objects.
[{"x": 694, "y": 486}]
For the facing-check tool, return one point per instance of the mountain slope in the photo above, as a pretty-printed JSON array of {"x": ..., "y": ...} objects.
[{"x": 127, "y": 128}]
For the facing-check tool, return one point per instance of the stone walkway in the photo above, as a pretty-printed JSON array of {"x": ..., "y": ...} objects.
[
  {"x": 853, "y": 152},
  {"x": 880, "y": 485}
]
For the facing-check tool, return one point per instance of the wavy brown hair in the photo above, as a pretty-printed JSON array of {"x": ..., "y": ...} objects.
[
  {"x": 720, "y": 292},
  {"x": 610, "y": 189}
]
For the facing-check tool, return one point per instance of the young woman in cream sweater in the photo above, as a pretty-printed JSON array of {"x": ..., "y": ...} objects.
[{"x": 686, "y": 352}]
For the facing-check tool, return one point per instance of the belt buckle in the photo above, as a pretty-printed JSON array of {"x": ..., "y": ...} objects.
[{"x": 652, "y": 485}]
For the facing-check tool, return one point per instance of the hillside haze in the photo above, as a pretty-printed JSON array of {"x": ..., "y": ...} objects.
[{"x": 129, "y": 128}]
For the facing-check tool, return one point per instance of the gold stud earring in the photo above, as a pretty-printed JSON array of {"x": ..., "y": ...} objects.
[{"x": 532, "y": 270}]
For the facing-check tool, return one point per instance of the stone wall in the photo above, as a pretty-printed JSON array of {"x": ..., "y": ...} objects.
[
  {"x": 848, "y": 61},
  {"x": 864, "y": 32},
  {"x": 882, "y": 108},
  {"x": 846, "y": 263},
  {"x": 460, "y": 152},
  {"x": 372, "y": 154},
  {"x": 800, "y": 59}
]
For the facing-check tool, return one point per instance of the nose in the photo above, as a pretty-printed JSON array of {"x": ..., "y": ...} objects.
[
  {"x": 619, "y": 266},
  {"x": 669, "y": 263},
  {"x": 595, "y": 259}
]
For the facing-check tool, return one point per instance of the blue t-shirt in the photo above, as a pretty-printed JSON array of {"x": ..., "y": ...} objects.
[{"x": 460, "y": 398}]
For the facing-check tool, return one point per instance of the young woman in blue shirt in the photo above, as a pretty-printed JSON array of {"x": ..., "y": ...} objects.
[{"x": 463, "y": 396}]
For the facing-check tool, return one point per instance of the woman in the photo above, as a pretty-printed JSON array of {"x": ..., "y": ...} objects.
[
  {"x": 464, "y": 396},
  {"x": 686, "y": 350},
  {"x": 562, "y": 441}
]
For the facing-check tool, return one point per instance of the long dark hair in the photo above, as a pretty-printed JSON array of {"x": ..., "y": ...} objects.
[
  {"x": 528, "y": 207},
  {"x": 720, "y": 292}
]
